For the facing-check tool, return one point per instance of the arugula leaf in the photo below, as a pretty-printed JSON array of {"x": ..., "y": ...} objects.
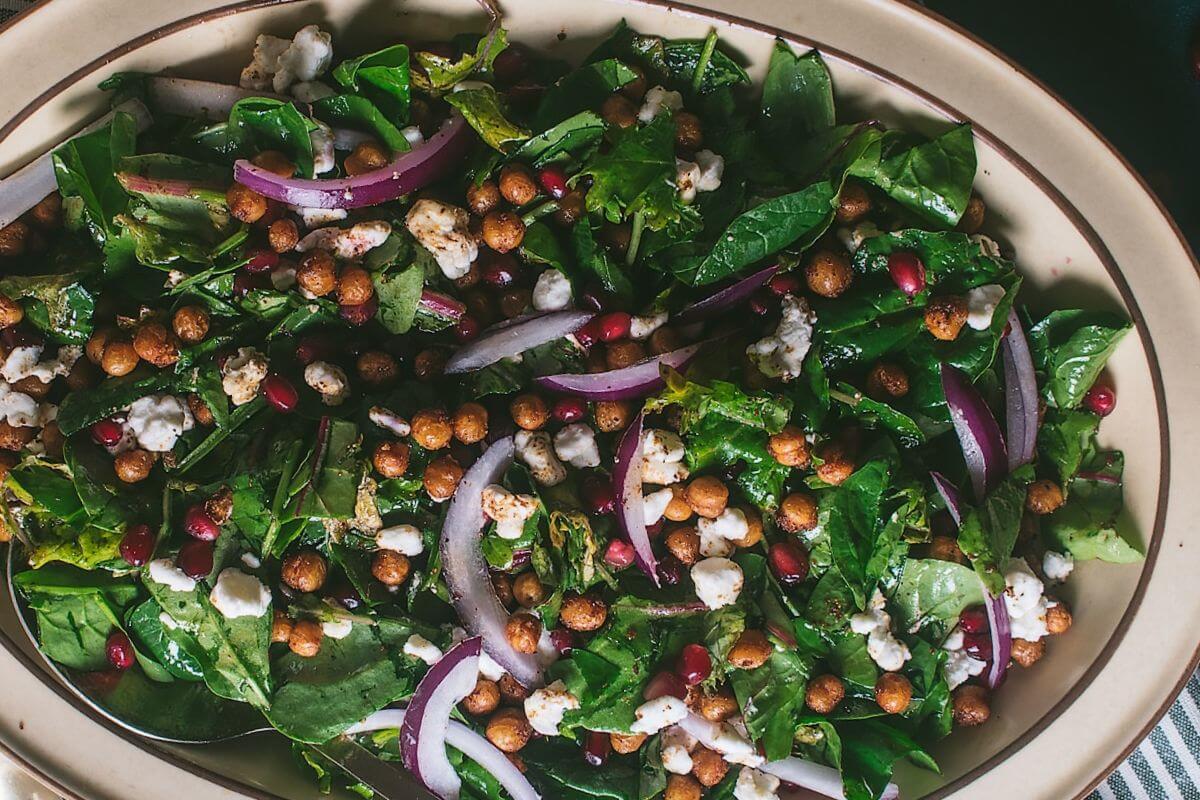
[
  {"x": 580, "y": 90},
  {"x": 932, "y": 593},
  {"x": 399, "y": 294},
  {"x": 1085, "y": 526},
  {"x": 988, "y": 533},
  {"x": 382, "y": 76},
  {"x": 358, "y": 112},
  {"x": 637, "y": 176},
  {"x": 438, "y": 73},
  {"x": 568, "y": 138},
  {"x": 797, "y": 95},
  {"x": 1071, "y": 348},
  {"x": 481, "y": 109}
]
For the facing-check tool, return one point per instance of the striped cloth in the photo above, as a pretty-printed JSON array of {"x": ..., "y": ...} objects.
[{"x": 1164, "y": 767}]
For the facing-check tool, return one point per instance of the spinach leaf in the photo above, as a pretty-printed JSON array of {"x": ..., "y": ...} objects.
[
  {"x": 772, "y": 699},
  {"x": 831, "y": 602},
  {"x": 988, "y": 533},
  {"x": 876, "y": 414},
  {"x": 438, "y": 73},
  {"x": 382, "y": 76},
  {"x": 1071, "y": 348},
  {"x": 717, "y": 440},
  {"x": 1065, "y": 439},
  {"x": 556, "y": 769},
  {"x": 797, "y": 98},
  {"x": 870, "y": 748},
  {"x": 59, "y": 305},
  {"x": 399, "y": 294},
  {"x": 330, "y": 490},
  {"x": 358, "y": 112},
  {"x": 594, "y": 259},
  {"x": 932, "y": 593},
  {"x": 570, "y": 137},
  {"x": 580, "y": 90},
  {"x": 637, "y": 176},
  {"x": 146, "y": 629},
  {"x": 263, "y": 123},
  {"x": 1085, "y": 526},
  {"x": 481, "y": 109},
  {"x": 855, "y": 526},
  {"x": 717, "y": 70},
  {"x": 542, "y": 246}
]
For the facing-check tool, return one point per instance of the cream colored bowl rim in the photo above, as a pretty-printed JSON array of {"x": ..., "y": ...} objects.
[{"x": 1024, "y": 166}]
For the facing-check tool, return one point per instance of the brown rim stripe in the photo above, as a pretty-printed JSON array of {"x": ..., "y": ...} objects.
[{"x": 1027, "y": 169}]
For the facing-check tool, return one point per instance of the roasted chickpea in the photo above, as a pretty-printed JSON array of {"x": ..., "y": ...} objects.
[
  {"x": 483, "y": 699},
  {"x": 470, "y": 423},
  {"x": 281, "y": 627},
  {"x": 190, "y": 324},
  {"x": 11, "y": 312},
  {"x": 887, "y": 381},
  {"x": 945, "y": 548},
  {"x": 503, "y": 231},
  {"x": 684, "y": 544},
  {"x": 502, "y": 586},
  {"x": 13, "y": 437},
  {"x": 509, "y": 730},
  {"x": 1027, "y": 653},
  {"x": 354, "y": 286},
  {"x": 317, "y": 274},
  {"x": 391, "y": 458},
  {"x": 837, "y": 462},
  {"x": 48, "y": 212},
  {"x": 582, "y": 612},
  {"x": 276, "y": 162},
  {"x": 828, "y": 273},
  {"x": 53, "y": 440},
  {"x": 708, "y": 766},
  {"x": 8, "y": 460},
  {"x": 517, "y": 184},
  {"x": 893, "y": 692},
  {"x": 367, "y": 156},
  {"x": 972, "y": 218},
  {"x": 528, "y": 589},
  {"x": 570, "y": 208},
  {"x": 523, "y": 631},
  {"x": 219, "y": 505},
  {"x": 1044, "y": 497},
  {"x": 245, "y": 204},
  {"x": 619, "y": 110},
  {"x": 750, "y": 651},
  {"x": 133, "y": 465},
  {"x": 625, "y": 353},
  {"x": 120, "y": 358},
  {"x": 83, "y": 375},
  {"x": 483, "y": 198},
  {"x": 304, "y": 571},
  {"x": 718, "y": 706},
  {"x": 32, "y": 386},
  {"x": 853, "y": 204},
  {"x": 441, "y": 478},
  {"x": 389, "y": 567},
  {"x": 971, "y": 706},
  {"x": 945, "y": 316},
  {"x": 664, "y": 340},
  {"x": 94, "y": 349},
  {"x": 613, "y": 415},
  {"x": 754, "y": 527},
  {"x": 797, "y": 513},
  {"x": 790, "y": 447},
  {"x": 283, "y": 235},
  {"x": 431, "y": 428},
  {"x": 305, "y": 638},
  {"x": 200, "y": 410},
  {"x": 678, "y": 509},
  {"x": 689, "y": 131},
  {"x": 377, "y": 368},
  {"x": 428, "y": 364},
  {"x": 1058, "y": 618},
  {"x": 529, "y": 411},
  {"x": 707, "y": 496},
  {"x": 626, "y": 743},
  {"x": 155, "y": 345},
  {"x": 682, "y": 787},
  {"x": 824, "y": 693},
  {"x": 511, "y": 691},
  {"x": 14, "y": 239}
]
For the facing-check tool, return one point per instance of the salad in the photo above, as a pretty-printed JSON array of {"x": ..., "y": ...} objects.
[{"x": 617, "y": 430}]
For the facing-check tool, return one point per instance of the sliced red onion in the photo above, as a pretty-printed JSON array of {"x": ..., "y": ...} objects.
[
  {"x": 26, "y": 187},
  {"x": 639, "y": 380},
  {"x": 191, "y": 98},
  {"x": 466, "y": 741},
  {"x": 631, "y": 511},
  {"x": 1020, "y": 394},
  {"x": 443, "y": 305},
  {"x": 1099, "y": 477},
  {"x": 1000, "y": 628},
  {"x": 466, "y": 571},
  {"x": 406, "y": 173},
  {"x": 817, "y": 778},
  {"x": 423, "y": 732},
  {"x": 729, "y": 296},
  {"x": 513, "y": 338},
  {"x": 949, "y": 493},
  {"x": 172, "y": 187},
  {"x": 978, "y": 434}
]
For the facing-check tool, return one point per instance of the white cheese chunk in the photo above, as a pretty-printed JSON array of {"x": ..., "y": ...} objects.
[
  {"x": 551, "y": 291},
  {"x": 718, "y": 581},
  {"x": 781, "y": 355},
  {"x": 884, "y": 648},
  {"x": 444, "y": 231},
  {"x": 158, "y": 420},
  {"x": 508, "y": 510},
  {"x": 237, "y": 594},
  {"x": 545, "y": 707},
  {"x": 402, "y": 538},
  {"x": 164, "y": 571}
]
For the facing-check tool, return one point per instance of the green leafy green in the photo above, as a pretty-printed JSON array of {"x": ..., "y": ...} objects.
[
  {"x": 1085, "y": 526},
  {"x": 264, "y": 123},
  {"x": 399, "y": 294},
  {"x": 580, "y": 90},
  {"x": 382, "y": 76},
  {"x": 439, "y": 73},
  {"x": 772, "y": 699},
  {"x": 987, "y": 534},
  {"x": 358, "y": 112},
  {"x": 637, "y": 176},
  {"x": 481, "y": 109},
  {"x": 1071, "y": 348},
  {"x": 60, "y": 305},
  {"x": 797, "y": 94},
  {"x": 934, "y": 592},
  {"x": 567, "y": 138}
]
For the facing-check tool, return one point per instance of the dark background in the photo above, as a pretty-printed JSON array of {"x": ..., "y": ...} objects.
[{"x": 1125, "y": 64}]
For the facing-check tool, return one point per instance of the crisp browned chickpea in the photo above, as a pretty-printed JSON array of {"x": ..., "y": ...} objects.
[
  {"x": 945, "y": 548},
  {"x": 33, "y": 387},
  {"x": 618, "y": 355},
  {"x": 619, "y": 110},
  {"x": 317, "y": 274},
  {"x": 48, "y": 212},
  {"x": 570, "y": 208},
  {"x": 53, "y": 441},
  {"x": 529, "y": 411},
  {"x": 837, "y": 462},
  {"x": 470, "y": 278},
  {"x": 613, "y": 415},
  {"x": 790, "y": 447},
  {"x": 828, "y": 273},
  {"x": 509, "y": 730},
  {"x": 13, "y": 437},
  {"x": 517, "y": 184},
  {"x": 893, "y": 692},
  {"x": 750, "y": 651},
  {"x": 276, "y": 162},
  {"x": 718, "y": 706},
  {"x": 971, "y": 706},
  {"x": 245, "y": 204},
  {"x": 428, "y": 364},
  {"x": 219, "y": 505},
  {"x": 483, "y": 198},
  {"x": 945, "y": 316},
  {"x": 664, "y": 340},
  {"x": 305, "y": 638},
  {"x": 682, "y": 787},
  {"x": 636, "y": 88},
  {"x": 470, "y": 423},
  {"x": 1058, "y": 618},
  {"x": 523, "y": 631},
  {"x": 514, "y": 302},
  {"x": 582, "y": 612},
  {"x": 528, "y": 589},
  {"x": 972, "y": 218},
  {"x": 678, "y": 509},
  {"x": 389, "y": 567},
  {"x": 887, "y": 381},
  {"x": 626, "y": 743},
  {"x": 511, "y": 691},
  {"x": 502, "y": 585},
  {"x": 431, "y": 428},
  {"x": 684, "y": 544},
  {"x": 708, "y": 766},
  {"x": 689, "y": 131},
  {"x": 304, "y": 570},
  {"x": 120, "y": 358},
  {"x": 190, "y": 324},
  {"x": 354, "y": 286},
  {"x": 707, "y": 496},
  {"x": 283, "y": 235},
  {"x": 853, "y": 204},
  {"x": 441, "y": 477},
  {"x": 483, "y": 699},
  {"x": 377, "y": 368},
  {"x": 133, "y": 465},
  {"x": 155, "y": 345},
  {"x": 94, "y": 349},
  {"x": 281, "y": 627},
  {"x": 754, "y": 527},
  {"x": 14, "y": 239},
  {"x": 391, "y": 458},
  {"x": 200, "y": 410},
  {"x": 1044, "y": 497},
  {"x": 824, "y": 693},
  {"x": 1027, "y": 653},
  {"x": 797, "y": 512},
  {"x": 11, "y": 312},
  {"x": 503, "y": 231},
  {"x": 367, "y": 156}
]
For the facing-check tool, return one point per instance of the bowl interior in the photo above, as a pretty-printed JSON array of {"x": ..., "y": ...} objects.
[{"x": 1062, "y": 261}]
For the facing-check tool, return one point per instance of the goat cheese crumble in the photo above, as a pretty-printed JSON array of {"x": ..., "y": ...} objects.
[
  {"x": 662, "y": 457},
  {"x": 981, "y": 305},
  {"x": 717, "y": 535},
  {"x": 237, "y": 594},
  {"x": 885, "y": 649},
  {"x": 158, "y": 420},
  {"x": 164, "y": 571},
  {"x": 278, "y": 63},
  {"x": 536, "y": 450},
  {"x": 551, "y": 291},
  {"x": 718, "y": 581},
  {"x": 329, "y": 380},
  {"x": 443, "y": 230},
  {"x": 348, "y": 244},
  {"x": 576, "y": 445},
  {"x": 545, "y": 707},
  {"x": 781, "y": 355},
  {"x": 242, "y": 374},
  {"x": 1057, "y": 566},
  {"x": 417, "y": 646},
  {"x": 508, "y": 510},
  {"x": 404, "y": 538},
  {"x": 659, "y": 713}
]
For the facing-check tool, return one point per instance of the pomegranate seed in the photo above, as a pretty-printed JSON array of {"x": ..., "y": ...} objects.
[
  {"x": 500, "y": 272},
  {"x": 590, "y": 333},
  {"x": 554, "y": 181},
  {"x": 694, "y": 664},
  {"x": 614, "y": 326},
  {"x": 261, "y": 260},
  {"x": 907, "y": 271},
  {"x": 137, "y": 545},
  {"x": 510, "y": 65},
  {"x": 280, "y": 393},
  {"x": 760, "y": 303},
  {"x": 313, "y": 348},
  {"x": 107, "y": 432},
  {"x": 973, "y": 620},
  {"x": 195, "y": 558},
  {"x": 598, "y": 495},
  {"x": 618, "y": 554},
  {"x": 789, "y": 562},
  {"x": 569, "y": 409},
  {"x": 595, "y": 748},
  {"x": 563, "y": 640},
  {"x": 360, "y": 314},
  {"x": 199, "y": 525},
  {"x": 119, "y": 650},
  {"x": 670, "y": 571},
  {"x": 783, "y": 285},
  {"x": 663, "y": 684},
  {"x": 978, "y": 646},
  {"x": 466, "y": 329},
  {"x": 1100, "y": 400}
]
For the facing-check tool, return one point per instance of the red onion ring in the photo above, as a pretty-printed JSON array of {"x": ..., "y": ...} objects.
[
  {"x": 978, "y": 434},
  {"x": 172, "y": 187},
  {"x": 513, "y": 338},
  {"x": 639, "y": 380},
  {"x": 406, "y": 173},
  {"x": 1000, "y": 628},
  {"x": 729, "y": 296},
  {"x": 442, "y": 305},
  {"x": 817, "y": 778},
  {"x": 1020, "y": 394},
  {"x": 423, "y": 732},
  {"x": 192, "y": 98},
  {"x": 466, "y": 571},
  {"x": 949, "y": 493},
  {"x": 627, "y": 485}
]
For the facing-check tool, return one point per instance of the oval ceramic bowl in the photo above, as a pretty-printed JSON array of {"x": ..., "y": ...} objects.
[{"x": 1085, "y": 229}]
